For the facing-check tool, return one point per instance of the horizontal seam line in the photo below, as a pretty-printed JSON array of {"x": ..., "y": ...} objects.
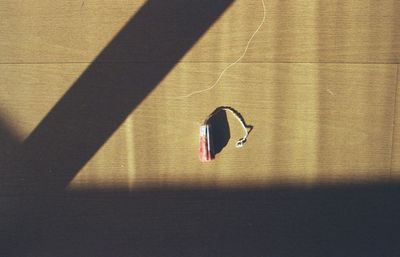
[{"x": 194, "y": 62}]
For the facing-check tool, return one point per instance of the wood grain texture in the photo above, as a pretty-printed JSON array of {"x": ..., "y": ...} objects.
[
  {"x": 60, "y": 31},
  {"x": 318, "y": 175},
  {"x": 29, "y": 91},
  {"x": 313, "y": 123},
  {"x": 395, "y": 168},
  {"x": 362, "y": 31}
]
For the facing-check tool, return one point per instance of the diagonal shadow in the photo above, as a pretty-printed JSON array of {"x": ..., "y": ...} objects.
[{"x": 134, "y": 62}]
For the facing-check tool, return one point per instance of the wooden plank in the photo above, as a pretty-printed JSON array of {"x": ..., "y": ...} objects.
[
  {"x": 295, "y": 31},
  {"x": 28, "y": 92},
  {"x": 313, "y": 123},
  {"x": 60, "y": 31}
]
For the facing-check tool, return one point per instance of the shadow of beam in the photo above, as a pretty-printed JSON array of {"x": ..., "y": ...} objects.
[
  {"x": 134, "y": 62},
  {"x": 336, "y": 221}
]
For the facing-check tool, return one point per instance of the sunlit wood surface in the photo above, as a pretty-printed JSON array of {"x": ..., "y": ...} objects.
[
  {"x": 318, "y": 84},
  {"x": 318, "y": 175}
]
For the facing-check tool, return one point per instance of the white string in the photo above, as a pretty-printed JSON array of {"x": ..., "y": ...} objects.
[
  {"x": 232, "y": 64},
  {"x": 241, "y": 141}
]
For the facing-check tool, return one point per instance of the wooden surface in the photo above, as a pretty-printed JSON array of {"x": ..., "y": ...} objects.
[
  {"x": 395, "y": 166},
  {"x": 319, "y": 83},
  {"x": 361, "y": 31}
]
